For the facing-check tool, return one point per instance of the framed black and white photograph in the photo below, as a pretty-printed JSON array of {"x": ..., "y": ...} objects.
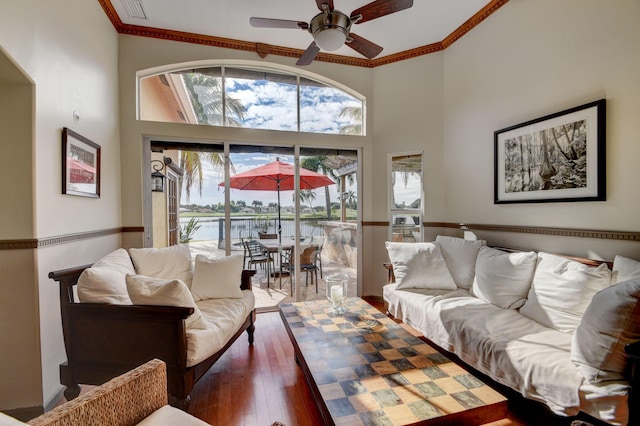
[
  {"x": 556, "y": 158},
  {"x": 80, "y": 165}
]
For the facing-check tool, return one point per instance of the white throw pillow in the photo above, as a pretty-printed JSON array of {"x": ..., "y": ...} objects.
[
  {"x": 104, "y": 281},
  {"x": 145, "y": 290},
  {"x": 610, "y": 322},
  {"x": 503, "y": 278},
  {"x": 217, "y": 278},
  {"x": 460, "y": 256},
  {"x": 169, "y": 263},
  {"x": 419, "y": 265},
  {"x": 624, "y": 269},
  {"x": 561, "y": 291}
]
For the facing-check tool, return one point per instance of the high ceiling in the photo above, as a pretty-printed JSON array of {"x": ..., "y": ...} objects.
[{"x": 428, "y": 26}]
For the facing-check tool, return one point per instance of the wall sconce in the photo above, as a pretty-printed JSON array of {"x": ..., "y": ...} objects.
[{"x": 157, "y": 178}]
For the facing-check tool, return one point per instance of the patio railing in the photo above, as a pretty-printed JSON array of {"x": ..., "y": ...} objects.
[{"x": 248, "y": 227}]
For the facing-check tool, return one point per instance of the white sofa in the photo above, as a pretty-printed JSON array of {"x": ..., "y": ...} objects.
[
  {"x": 152, "y": 303},
  {"x": 550, "y": 327}
]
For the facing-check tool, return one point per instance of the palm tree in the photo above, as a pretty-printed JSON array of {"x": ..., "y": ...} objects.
[
  {"x": 316, "y": 164},
  {"x": 257, "y": 205},
  {"x": 351, "y": 198},
  {"x": 354, "y": 115},
  {"x": 205, "y": 92},
  {"x": 206, "y": 96},
  {"x": 306, "y": 195}
]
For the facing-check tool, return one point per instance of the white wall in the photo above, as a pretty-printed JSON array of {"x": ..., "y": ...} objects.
[
  {"x": 68, "y": 49},
  {"x": 527, "y": 60},
  {"x": 407, "y": 104}
]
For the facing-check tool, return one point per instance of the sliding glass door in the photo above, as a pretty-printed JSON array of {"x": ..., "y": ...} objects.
[{"x": 291, "y": 212}]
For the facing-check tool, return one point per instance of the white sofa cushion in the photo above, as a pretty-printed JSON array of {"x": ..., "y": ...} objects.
[
  {"x": 509, "y": 347},
  {"x": 503, "y": 278},
  {"x": 217, "y": 278},
  {"x": 169, "y": 263},
  {"x": 145, "y": 290},
  {"x": 460, "y": 256},
  {"x": 224, "y": 318},
  {"x": 171, "y": 416},
  {"x": 419, "y": 265},
  {"x": 561, "y": 291},
  {"x": 611, "y": 321},
  {"x": 104, "y": 281},
  {"x": 624, "y": 269}
]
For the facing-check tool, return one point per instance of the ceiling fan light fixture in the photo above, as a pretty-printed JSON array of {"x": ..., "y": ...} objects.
[
  {"x": 330, "y": 38},
  {"x": 330, "y": 30}
]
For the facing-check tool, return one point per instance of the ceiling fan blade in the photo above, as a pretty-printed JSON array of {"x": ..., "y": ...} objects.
[
  {"x": 328, "y": 2},
  {"x": 380, "y": 8},
  {"x": 309, "y": 55},
  {"x": 363, "y": 46},
  {"x": 277, "y": 23}
]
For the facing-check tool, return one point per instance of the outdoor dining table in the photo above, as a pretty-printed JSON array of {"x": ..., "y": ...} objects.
[{"x": 280, "y": 246}]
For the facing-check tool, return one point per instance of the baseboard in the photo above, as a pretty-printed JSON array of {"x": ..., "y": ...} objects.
[{"x": 26, "y": 413}]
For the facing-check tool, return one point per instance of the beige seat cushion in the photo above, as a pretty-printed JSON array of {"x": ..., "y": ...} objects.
[{"x": 171, "y": 416}]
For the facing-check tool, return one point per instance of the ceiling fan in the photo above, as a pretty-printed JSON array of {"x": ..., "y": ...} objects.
[{"x": 331, "y": 28}]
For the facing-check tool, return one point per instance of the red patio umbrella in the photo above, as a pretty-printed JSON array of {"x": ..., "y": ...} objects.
[{"x": 277, "y": 176}]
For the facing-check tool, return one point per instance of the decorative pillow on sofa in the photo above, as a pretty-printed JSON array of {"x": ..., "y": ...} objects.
[
  {"x": 104, "y": 281},
  {"x": 561, "y": 291},
  {"x": 624, "y": 269},
  {"x": 169, "y": 263},
  {"x": 419, "y": 265},
  {"x": 610, "y": 322},
  {"x": 217, "y": 278},
  {"x": 460, "y": 256},
  {"x": 145, "y": 290},
  {"x": 503, "y": 278}
]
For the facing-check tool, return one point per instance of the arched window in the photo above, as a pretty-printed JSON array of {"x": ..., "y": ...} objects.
[{"x": 250, "y": 96}]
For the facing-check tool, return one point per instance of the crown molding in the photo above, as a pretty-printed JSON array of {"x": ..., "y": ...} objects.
[{"x": 262, "y": 49}]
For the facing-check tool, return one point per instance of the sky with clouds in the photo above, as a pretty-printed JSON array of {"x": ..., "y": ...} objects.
[{"x": 272, "y": 105}]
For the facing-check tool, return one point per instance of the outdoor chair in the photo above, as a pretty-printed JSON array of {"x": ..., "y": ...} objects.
[
  {"x": 318, "y": 255},
  {"x": 307, "y": 264},
  {"x": 265, "y": 236},
  {"x": 308, "y": 259},
  {"x": 255, "y": 255}
]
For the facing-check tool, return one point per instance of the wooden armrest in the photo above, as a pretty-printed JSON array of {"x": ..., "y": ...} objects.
[
  {"x": 633, "y": 350},
  {"x": 125, "y": 334},
  {"x": 391, "y": 276},
  {"x": 245, "y": 283}
]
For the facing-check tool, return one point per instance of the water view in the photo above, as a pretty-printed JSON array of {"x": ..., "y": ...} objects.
[{"x": 212, "y": 228}]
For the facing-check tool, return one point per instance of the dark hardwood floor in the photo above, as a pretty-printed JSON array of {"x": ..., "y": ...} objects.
[
  {"x": 262, "y": 384},
  {"x": 256, "y": 385}
]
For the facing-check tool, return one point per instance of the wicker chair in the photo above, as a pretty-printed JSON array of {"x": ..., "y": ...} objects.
[{"x": 135, "y": 396}]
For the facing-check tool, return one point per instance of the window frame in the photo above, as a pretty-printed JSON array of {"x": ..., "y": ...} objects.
[
  {"x": 251, "y": 66},
  {"x": 400, "y": 231}
]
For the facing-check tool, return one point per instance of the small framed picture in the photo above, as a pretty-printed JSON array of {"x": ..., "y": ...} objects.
[
  {"x": 80, "y": 165},
  {"x": 556, "y": 158}
]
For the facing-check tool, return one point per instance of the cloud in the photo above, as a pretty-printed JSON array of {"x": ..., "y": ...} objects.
[{"x": 273, "y": 105}]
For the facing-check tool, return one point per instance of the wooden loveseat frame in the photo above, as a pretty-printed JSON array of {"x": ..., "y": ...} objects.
[{"x": 103, "y": 341}]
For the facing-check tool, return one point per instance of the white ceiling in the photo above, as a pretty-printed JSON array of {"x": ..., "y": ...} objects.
[{"x": 427, "y": 22}]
